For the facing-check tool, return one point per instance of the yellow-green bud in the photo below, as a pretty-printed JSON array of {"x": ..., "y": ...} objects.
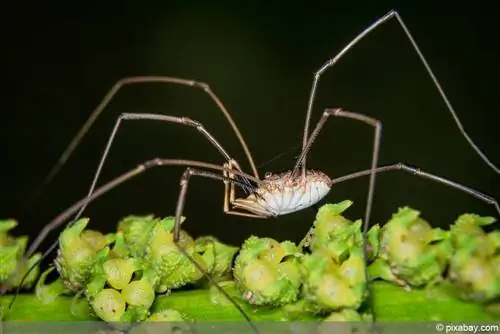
[
  {"x": 109, "y": 305},
  {"x": 333, "y": 293},
  {"x": 118, "y": 272},
  {"x": 139, "y": 293}
]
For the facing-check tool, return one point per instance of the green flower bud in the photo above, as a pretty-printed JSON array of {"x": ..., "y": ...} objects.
[
  {"x": 415, "y": 253},
  {"x": 466, "y": 232},
  {"x": 97, "y": 279},
  {"x": 11, "y": 253},
  {"x": 475, "y": 278},
  {"x": 352, "y": 270},
  {"x": 120, "y": 248},
  {"x": 381, "y": 269},
  {"x": 118, "y": 272},
  {"x": 338, "y": 236},
  {"x": 96, "y": 239},
  {"x": 5, "y": 227},
  {"x": 267, "y": 272},
  {"x": 136, "y": 231},
  {"x": 333, "y": 293},
  {"x": 329, "y": 287},
  {"x": 217, "y": 256},
  {"x": 139, "y": 293},
  {"x": 9, "y": 258},
  {"x": 75, "y": 256},
  {"x": 259, "y": 274},
  {"x": 172, "y": 267},
  {"x": 330, "y": 221},
  {"x": 109, "y": 305},
  {"x": 474, "y": 264}
]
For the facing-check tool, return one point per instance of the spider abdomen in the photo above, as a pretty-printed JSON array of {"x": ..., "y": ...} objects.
[{"x": 286, "y": 192}]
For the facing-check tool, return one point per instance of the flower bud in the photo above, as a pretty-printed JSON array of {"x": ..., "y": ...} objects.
[
  {"x": 267, "y": 272},
  {"x": 75, "y": 256},
  {"x": 118, "y": 272},
  {"x": 139, "y": 293},
  {"x": 136, "y": 232},
  {"x": 415, "y": 253},
  {"x": 109, "y": 305},
  {"x": 217, "y": 256}
]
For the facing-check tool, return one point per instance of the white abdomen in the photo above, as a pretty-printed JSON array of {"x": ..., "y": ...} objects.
[{"x": 284, "y": 193}]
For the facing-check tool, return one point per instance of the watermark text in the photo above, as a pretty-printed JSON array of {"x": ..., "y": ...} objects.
[{"x": 467, "y": 328}]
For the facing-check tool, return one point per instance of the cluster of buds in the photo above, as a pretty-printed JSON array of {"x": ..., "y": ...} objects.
[
  {"x": 121, "y": 273},
  {"x": 328, "y": 278},
  {"x": 412, "y": 253},
  {"x": 475, "y": 264},
  {"x": 334, "y": 269},
  {"x": 268, "y": 272},
  {"x": 12, "y": 251}
]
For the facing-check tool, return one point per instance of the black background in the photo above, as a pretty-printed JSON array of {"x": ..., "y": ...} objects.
[{"x": 60, "y": 60}]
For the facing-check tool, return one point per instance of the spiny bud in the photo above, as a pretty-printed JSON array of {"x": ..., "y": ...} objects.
[
  {"x": 217, "y": 256},
  {"x": 10, "y": 254},
  {"x": 474, "y": 264},
  {"x": 329, "y": 221},
  {"x": 267, "y": 272},
  {"x": 76, "y": 256},
  {"x": 339, "y": 236},
  {"x": 326, "y": 287},
  {"x": 136, "y": 232},
  {"x": 171, "y": 265},
  {"x": 413, "y": 252},
  {"x": 12, "y": 265}
]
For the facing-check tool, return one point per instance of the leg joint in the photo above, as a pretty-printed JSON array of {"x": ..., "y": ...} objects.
[{"x": 191, "y": 122}]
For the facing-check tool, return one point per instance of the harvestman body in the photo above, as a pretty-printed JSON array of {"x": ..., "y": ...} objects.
[
  {"x": 275, "y": 194},
  {"x": 283, "y": 193}
]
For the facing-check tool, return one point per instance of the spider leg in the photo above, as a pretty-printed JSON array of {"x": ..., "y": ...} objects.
[
  {"x": 64, "y": 216},
  {"x": 331, "y": 62},
  {"x": 106, "y": 101},
  {"x": 423, "y": 174},
  {"x": 371, "y": 187},
  {"x": 164, "y": 118}
]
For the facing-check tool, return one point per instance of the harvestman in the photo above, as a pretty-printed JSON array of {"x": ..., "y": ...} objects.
[{"x": 275, "y": 194}]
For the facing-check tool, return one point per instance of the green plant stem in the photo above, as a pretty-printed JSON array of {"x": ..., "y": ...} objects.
[{"x": 392, "y": 303}]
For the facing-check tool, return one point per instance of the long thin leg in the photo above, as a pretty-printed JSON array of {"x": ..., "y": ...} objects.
[
  {"x": 107, "y": 99},
  {"x": 177, "y": 229},
  {"x": 64, "y": 216},
  {"x": 418, "y": 172},
  {"x": 371, "y": 187},
  {"x": 391, "y": 14},
  {"x": 156, "y": 117},
  {"x": 179, "y": 210}
]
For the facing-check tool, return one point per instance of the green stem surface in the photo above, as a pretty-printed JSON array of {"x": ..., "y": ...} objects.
[{"x": 392, "y": 303}]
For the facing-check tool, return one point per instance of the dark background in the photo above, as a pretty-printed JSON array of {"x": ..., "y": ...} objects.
[{"x": 260, "y": 59}]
